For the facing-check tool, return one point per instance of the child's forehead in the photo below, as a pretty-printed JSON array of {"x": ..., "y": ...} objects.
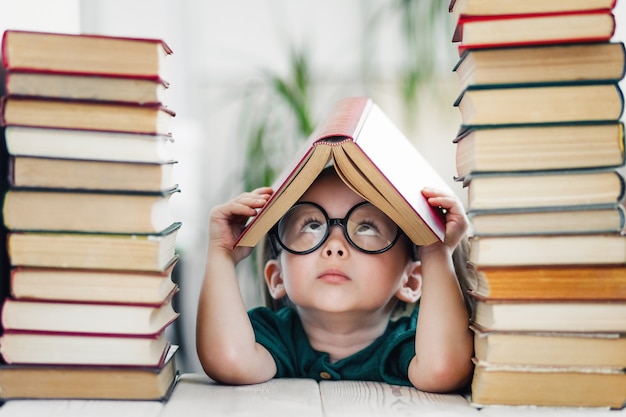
[{"x": 328, "y": 190}]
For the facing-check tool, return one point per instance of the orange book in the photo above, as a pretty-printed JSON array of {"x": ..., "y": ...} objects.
[{"x": 584, "y": 282}]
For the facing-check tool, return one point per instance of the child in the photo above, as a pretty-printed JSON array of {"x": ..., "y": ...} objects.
[{"x": 342, "y": 285}]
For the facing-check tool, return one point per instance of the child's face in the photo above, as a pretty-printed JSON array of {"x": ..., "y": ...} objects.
[{"x": 337, "y": 277}]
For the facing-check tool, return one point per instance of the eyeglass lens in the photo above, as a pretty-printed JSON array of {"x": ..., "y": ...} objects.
[{"x": 306, "y": 226}]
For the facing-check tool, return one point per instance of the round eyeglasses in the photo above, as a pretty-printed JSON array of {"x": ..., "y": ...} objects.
[{"x": 306, "y": 226}]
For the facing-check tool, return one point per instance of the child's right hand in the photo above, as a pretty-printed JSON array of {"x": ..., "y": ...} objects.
[{"x": 227, "y": 221}]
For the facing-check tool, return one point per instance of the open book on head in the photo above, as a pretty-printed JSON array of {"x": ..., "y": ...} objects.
[{"x": 374, "y": 158}]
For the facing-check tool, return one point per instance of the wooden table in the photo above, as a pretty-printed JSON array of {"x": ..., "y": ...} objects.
[{"x": 196, "y": 395}]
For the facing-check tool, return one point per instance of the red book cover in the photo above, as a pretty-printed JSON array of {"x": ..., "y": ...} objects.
[
  {"x": 378, "y": 161},
  {"x": 534, "y": 29}
]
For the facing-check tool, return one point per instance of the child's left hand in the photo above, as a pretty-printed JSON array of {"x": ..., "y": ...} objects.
[{"x": 456, "y": 220}]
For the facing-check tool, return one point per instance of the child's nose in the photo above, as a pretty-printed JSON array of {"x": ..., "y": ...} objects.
[{"x": 336, "y": 244}]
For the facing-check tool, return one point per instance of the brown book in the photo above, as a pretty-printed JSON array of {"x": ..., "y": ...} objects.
[
  {"x": 87, "y": 318},
  {"x": 80, "y": 174},
  {"x": 86, "y": 87},
  {"x": 556, "y": 103},
  {"x": 25, "y": 347},
  {"x": 83, "y": 54},
  {"x": 551, "y": 315},
  {"x": 152, "y": 252},
  {"x": 88, "y": 145},
  {"x": 92, "y": 285},
  {"x": 539, "y": 147},
  {"x": 550, "y": 189},
  {"x": 548, "y": 386},
  {"x": 373, "y": 158},
  {"x": 544, "y": 250},
  {"x": 582, "y": 282},
  {"x": 541, "y": 64},
  {"x": 588, "y": 350},
  {"x": 89, "y": 382},
  {"x": 93, "y": 115},
  {"x": 548, "y": 222},
  {"x": 86, "y": 211}
]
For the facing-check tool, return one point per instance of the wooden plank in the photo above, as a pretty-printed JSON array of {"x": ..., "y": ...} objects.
[
  {"x": 197, "y": 395},
  {"x": 365, "y": 399},
  {"x": 80, "y": 408},
  {"x": 525, "y": 411}
]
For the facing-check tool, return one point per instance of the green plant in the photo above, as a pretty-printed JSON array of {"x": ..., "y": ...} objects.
[
  {"x": 286, "y": 120},
  {"x": 424, "y": 26}
]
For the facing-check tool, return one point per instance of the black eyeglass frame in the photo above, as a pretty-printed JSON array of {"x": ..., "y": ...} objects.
[{"x": 275, "y": 238}]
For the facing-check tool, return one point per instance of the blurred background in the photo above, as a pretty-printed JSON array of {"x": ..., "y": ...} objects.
[{"x": 250, "y": 79}]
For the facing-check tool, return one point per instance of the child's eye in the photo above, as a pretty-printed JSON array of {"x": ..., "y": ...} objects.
[
  {"x": 367, "y": 229},
  {"x": 312, "y": 226}
]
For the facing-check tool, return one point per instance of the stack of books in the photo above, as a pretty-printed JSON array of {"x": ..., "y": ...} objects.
[
  {"x": 91, "y": 241},
  {"x": 539, "y": 151}
]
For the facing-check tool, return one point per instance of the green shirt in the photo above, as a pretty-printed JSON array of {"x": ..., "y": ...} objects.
[{"x": 385, "y": 360}]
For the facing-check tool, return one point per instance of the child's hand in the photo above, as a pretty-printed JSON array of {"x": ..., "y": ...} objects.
[
  {"x": 456, "y": 220},
  {"x": 227, "y": 221}
]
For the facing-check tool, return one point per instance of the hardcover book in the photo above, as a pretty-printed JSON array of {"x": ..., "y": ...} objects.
[
  {"x": 534, "y": 28},
  {"x": 152, "y": 252},
  {"x": 591, "y": 282},
  {"x": 542, "y": 104},
  {"x": 88, "y": 145},
  {"x": 91, "y": 115},
  {"x": 562, "y": 189},
  {"x": 374, "y": 158},
  {"x": 547, "y": 386},
  {"x": 87, "y": 318},
  {"x": 557, "y": 63},
  {"x": 24, "y": 347},
  {"x": 499, "y": 7},
  {"x": 586, "y": 350},
  {"x": 539, "y": 148},
  {"x": 83, "y": 54},
  {"x": 87, "y": 211},
  {"x": 551, "y": 221},
  {"x": 544, "y": 250},
  {"x": 580, "y": 316},
  {"x": 82, "y": 174},
  {"x": 69, "y": 86},
  {"x": 90, "y": 382},
  {"x": 93, "y": 285}
]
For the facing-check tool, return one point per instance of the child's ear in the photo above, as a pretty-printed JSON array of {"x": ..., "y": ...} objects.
[
  {"x": 274, "y": 279},
  {"x": 411, "y": 288}
]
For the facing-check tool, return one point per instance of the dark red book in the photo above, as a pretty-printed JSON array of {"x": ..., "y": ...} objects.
[
  {"x": 534, "y": 29},
  {"x": 374, "y": 158}
]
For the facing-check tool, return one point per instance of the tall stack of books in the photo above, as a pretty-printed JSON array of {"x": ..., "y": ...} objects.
[
  {"x": 91, "y": 242},
  {"x": 539, "y": 149}
]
